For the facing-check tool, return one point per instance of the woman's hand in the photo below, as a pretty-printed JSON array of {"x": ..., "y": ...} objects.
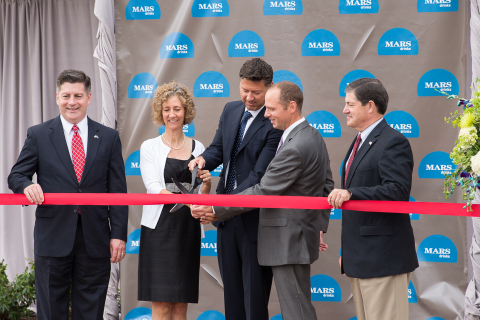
[{"x": 207, "y": 180}]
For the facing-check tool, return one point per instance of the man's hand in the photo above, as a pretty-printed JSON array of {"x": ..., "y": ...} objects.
[
  {"x": 34, "y": 193},
  {"x": 337, "y": 197},
  {"x": 117, "y": 250},
  {"x": 198, "y": 161},
  {"x": 323, "y": 246},
  {"x": 204, "y": 213}
]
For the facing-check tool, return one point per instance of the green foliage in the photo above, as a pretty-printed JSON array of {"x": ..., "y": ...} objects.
[{"x": 18, "y": 295}]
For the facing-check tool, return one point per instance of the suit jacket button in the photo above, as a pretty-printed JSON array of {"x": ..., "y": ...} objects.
[
  {"x": 79, "y": 190},
  {"x": 75, "y": 211}
]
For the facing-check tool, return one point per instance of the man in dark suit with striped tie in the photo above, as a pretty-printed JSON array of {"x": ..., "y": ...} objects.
[{"x": 245, "y": 143}]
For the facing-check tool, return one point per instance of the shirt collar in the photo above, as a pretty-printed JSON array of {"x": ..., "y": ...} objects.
[
  {"x": 67, "y": 126},
  {"x": 289, "y": 129},
  {"x": 254, "y": 113},
  {"x": 364, "y": 134}
]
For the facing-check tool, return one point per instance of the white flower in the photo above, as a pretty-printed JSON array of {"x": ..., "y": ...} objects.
[
  {"x": 467, "y": 136},
  {"x": 475, "y": 163}
]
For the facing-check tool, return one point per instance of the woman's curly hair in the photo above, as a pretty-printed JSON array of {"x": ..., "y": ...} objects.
[{"x": 165, "y": 92}]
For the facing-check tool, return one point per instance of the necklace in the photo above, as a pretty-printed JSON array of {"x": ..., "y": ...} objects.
[{"x": 165, "y": 140}]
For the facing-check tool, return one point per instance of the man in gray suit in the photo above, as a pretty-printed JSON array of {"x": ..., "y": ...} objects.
[{"x": 289, "y": 240}]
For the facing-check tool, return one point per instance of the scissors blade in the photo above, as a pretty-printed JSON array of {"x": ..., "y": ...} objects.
[
  {"x": 176, "y": 207},
  {"x": 180, "y": 186}
]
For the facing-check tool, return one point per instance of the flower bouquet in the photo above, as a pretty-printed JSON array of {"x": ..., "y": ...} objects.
[{"x": 466, "y": 152}]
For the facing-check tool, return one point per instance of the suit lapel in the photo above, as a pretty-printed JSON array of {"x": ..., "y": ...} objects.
[
  {"x": 257, "y": 123},
  {"x": 93, "y": 141},
  {"x": 233, "y": 124},
  {"x": 344, "y": 166},
  {"x": 366, "y": 145},
  {"x": 301, "y": 126},
  {"x": 58, "y": 139}
]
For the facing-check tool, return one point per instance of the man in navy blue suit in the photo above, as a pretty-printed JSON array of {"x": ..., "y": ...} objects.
[
  {"x": 245, "y": 142},
  {"x": 73, "y": 245},
  {"x": 378, "y": 248}
]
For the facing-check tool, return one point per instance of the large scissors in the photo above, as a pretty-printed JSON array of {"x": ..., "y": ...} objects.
[{"x": 196, "y": 182}]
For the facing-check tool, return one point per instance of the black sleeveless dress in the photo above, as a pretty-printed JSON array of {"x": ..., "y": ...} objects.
[{"x": 169, "y": 257}]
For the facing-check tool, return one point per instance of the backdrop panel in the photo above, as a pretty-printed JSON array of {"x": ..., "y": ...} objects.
[{"x": 412, "y": 47}]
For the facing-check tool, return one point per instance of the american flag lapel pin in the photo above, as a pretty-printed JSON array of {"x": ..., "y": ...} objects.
[
  {"x": 96, "y": 137},
  {"x": 370, "y": 143}
]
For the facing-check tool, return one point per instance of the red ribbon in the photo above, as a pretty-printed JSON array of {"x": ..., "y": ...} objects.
[{"x": 432, "y": 208}]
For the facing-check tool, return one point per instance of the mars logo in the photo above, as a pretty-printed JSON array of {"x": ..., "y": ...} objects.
[
  {"x": 413, "y": 216},
  {"x": 403, "y": 122},
  {"x": 357, "y": 6},
  {"x": 435, "y": 165},
  {"x": 412, "y": 293},
  {"x": 277, "y": 317},
  {"x": 188, "y": 130},
  {"x": 326, "y": 123},
  {"x": 325, "y": 288},
  {"x": 133, "y": 242},
  {"x": 142, "y": 10},
  {"x": 143, "y": 85},
  {"x": 335, "y": 214},
  {"x": 209, "y": 244},
  {"x": 177, "y": 45},
  {"x": 285, "y": 75},
  {"x": 352, "y": 76},
  {"x": 132, "y": 165},
  {"x": 353, "y": 318},
  {"x": 210, "y": 8},
  {"x": 211, "y": 315},
  {"x": 320, "y": 42},
  {"x": 437, "y": 248},
  {"x": 439, "y": 79},
  {"x": 140, "y": 313},
  {"x": 397, "y": 42},
  {"x": 211, "y": 84},
  {"x": 435, "y": 318},
  {"x": 437, "y": 5},
  {"x": 273, "y": 8},
  {"x": 246, "y": 43},
  {"x": 217, "y": 171}
]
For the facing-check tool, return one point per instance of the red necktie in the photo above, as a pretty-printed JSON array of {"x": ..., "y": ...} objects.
[
  {"x": 78, "y": 153},
  {"x": 354, "y": 152}
]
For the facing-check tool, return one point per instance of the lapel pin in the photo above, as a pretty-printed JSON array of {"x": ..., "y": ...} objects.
[
  {"x": 96, "y": 137},
  {"x": 370, "y": 143}
]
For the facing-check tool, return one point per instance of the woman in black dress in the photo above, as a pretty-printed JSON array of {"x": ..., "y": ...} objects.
[{"x": 169, "y": 257}]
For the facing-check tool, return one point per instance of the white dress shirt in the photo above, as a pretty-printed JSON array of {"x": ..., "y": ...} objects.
[
  {"x": 364, "y": 134},
  {"x": 288, "y": 130},
  {"x": 68, "y": 132},
  {"x": 249, "y": 122}
]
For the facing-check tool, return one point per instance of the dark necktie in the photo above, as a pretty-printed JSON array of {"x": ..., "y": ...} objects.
[
  {"x": 354, "y": 152},
  {"x": 233, "y": 157}
]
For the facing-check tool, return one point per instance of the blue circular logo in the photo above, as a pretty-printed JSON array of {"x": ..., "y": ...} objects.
[
  {"x": 142, "y": 10},
  {"x": 335, "y": 214},
  {"x": 320, "y": 42},
  {"x": 285, "y": 75},
  {"x": 325, "y": 288},
  {"x": 437, "y": 248},
  {"x": 437, "y": 6},
  {"x": 413, "y": 216},
  {"x": 211, "y": 84},
  {"x": 353, "y": 318},
  {"x": 403, "y": 122},
  {"x": 435, "y": 318},
  {"x": 210, "y": 8},
  {"x": 435, "y": 165},
  {"x": 177, "y": 45},
  {"x": 437, "y": 80},
  {"x": 350, "y": 77},
  {"x": 326, "y": 123},
  {"x": 143, "y": 85},
  {"x": 132, "y": 164},
  {"x": 217, "y": 171},
  {"x": 274, "y": 8},
  {"x": 412, "y": 293},
  {"x": 139, "y": 314},
  {"x": 397, "y": 42},
  {"x": 246, "y": 43},
  {"x": 188, "y": 130},
  {"x": 357, "y": 6},
  {"x": 277, "y": 317},
  {"x": 209, "y": 244},
  {"x": 211, "y": 315},
  {"x": 133, "y": 242}
]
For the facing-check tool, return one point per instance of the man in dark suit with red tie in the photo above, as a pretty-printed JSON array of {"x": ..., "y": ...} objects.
[
  {"x": 245, "y": 142},
  {"x": 73, "y": 245},
  {"x": 378, "y": 248}
]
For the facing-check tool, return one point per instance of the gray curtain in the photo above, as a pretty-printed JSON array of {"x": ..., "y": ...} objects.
[{"x": 40, "y": 39}]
